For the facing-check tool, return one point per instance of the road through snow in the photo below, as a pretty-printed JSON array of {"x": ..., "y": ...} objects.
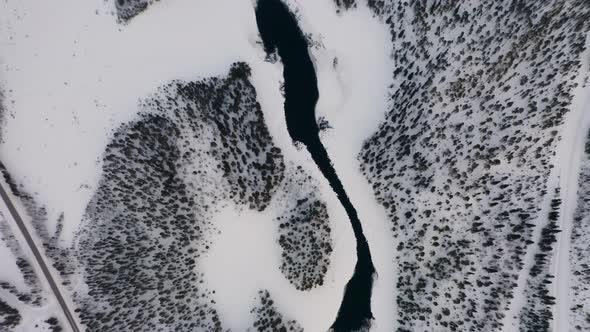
[
  {"x": 38, "y": 258},
  {"x": 574, "y": 138}
]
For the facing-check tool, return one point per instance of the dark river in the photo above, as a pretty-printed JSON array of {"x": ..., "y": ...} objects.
[{"x": 281, "y": 33}]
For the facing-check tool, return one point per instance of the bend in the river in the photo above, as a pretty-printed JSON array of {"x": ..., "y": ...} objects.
[{"x": 281, "y": 33}]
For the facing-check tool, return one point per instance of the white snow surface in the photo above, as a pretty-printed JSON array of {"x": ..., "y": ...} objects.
[{"x": 71, "y": 75}]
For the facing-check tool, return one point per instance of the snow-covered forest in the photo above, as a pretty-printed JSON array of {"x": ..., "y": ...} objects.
[{"x": 295, "y": 165}]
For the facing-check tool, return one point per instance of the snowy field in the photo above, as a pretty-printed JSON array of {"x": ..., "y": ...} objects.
[{"x": 144, "y": 145}]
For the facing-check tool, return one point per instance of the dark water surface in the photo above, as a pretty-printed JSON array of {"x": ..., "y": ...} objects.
[{"x": 281, "y": 33}]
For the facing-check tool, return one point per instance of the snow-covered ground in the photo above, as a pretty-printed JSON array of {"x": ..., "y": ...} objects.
[
  {"x": 573, "y": 164},
  {"x": 90, "y": 73},
  {"x": 451, "y": 126},
  {"x": 469, "y": 157}
]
